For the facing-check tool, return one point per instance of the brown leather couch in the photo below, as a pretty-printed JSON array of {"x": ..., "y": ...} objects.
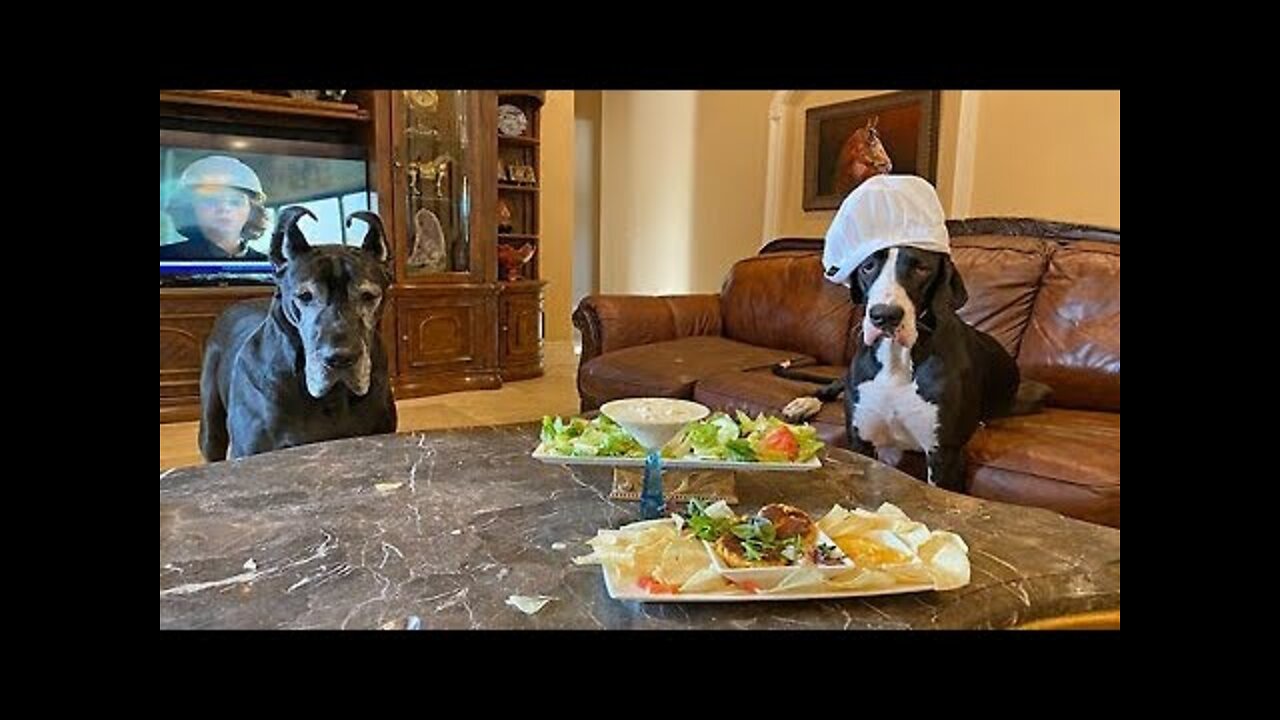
[{"x": 1049, "y": 292}]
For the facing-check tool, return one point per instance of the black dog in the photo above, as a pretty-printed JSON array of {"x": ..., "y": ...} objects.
[
  {"x": 309, "y": 365},
  {"x": 923, "y": 379}
]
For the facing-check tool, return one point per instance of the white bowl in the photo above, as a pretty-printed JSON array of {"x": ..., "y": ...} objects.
[{"x": 654, "y": 421}]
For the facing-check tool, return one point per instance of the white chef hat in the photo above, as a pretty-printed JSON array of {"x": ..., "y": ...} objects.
[{"x": 884, "y": 211}]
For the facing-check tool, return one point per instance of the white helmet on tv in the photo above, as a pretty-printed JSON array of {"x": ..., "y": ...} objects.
[
  {"x": 224, "y": 171},
  {"x": 884, "y": 211}
]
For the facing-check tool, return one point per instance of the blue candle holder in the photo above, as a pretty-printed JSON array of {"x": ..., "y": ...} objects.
[{"x": 652, "y": 502}]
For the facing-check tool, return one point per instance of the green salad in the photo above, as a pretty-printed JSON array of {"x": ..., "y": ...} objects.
[
  {"x": 719, "y": 437},
  {"x": 577, "y": 437}
]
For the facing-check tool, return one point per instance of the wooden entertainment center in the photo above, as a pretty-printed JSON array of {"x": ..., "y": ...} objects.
[{"x": 453, "y": 320}]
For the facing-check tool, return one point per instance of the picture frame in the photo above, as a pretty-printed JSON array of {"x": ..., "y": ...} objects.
[{"x": 844, "y": 143}]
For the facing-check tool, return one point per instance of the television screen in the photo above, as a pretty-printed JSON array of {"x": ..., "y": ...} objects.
[{"x": 220, "y": 195}]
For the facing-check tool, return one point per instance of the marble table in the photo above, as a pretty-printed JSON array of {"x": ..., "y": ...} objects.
[{"x": 438, "y": 529}]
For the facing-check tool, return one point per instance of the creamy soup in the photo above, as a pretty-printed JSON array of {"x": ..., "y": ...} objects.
[{"x": 654, "y": 411}]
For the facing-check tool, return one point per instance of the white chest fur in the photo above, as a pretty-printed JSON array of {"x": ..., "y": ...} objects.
[{"x": 890, "y": 414}]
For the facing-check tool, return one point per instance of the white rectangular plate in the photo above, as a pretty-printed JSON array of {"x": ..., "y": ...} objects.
[
  {"x": 639, "y": 595},
  {"x": 691, "y": 463}
]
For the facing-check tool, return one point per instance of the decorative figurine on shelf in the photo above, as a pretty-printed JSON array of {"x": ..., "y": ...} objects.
[
  {"x": 333, "y": 95},
  {"x": 511, "y": 259},
  {"x": 502, "y": 172},
  {"x": 428, "y": 243},
  {"x": 504, "y": 216},
  {"x": 304, "y": 94},
  {"x": 522, "y": 174}
]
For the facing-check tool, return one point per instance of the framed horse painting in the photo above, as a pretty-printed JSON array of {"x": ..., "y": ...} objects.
[{"x": 849, "y": 142}]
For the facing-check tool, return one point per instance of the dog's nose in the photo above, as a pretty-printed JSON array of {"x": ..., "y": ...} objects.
[
  {"x": 341, "y": 359},
  {"x": 886, "y": 316}
]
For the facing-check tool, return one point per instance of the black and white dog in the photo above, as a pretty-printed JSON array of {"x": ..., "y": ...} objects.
[{"x": 923, "y": 379}]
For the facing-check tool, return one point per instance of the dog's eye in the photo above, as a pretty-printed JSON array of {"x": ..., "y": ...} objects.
[
  {"x": 867, "y": 267},
  {"x": 921, "y": 269},
  {"x": 368, "y": 296},
  {"x": 305, "y": 297}
]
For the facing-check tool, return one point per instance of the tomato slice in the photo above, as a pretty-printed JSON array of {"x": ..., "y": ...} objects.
[
  {"x": 782, "y": 440},
  {"x": 655, "y": 587}
]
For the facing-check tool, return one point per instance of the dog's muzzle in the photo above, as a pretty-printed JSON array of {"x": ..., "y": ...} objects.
[
  {"x": 349, "y": 366},
  {"x": 887, "y": 320},
  {"x": 341, "y": 359}
]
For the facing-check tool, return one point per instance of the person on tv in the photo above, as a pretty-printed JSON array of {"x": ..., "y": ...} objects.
[{"x": 218, "y": 208}]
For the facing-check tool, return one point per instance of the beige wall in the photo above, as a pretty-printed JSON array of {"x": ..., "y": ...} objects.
[
  {"x": 682, "y": 178},
  {"x": 731, "y": 139},
  {"x": 1048, "y": 154},
  {"x": 586, "y": 184},
  {"x": 646, "y": 187},
  {"x": 556, "y": 209}
]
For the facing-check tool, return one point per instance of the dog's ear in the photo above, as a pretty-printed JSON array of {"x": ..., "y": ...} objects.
[
  {"x": 288, "y": 242},
  {"x": 375, "y": 239},
  {"x": 949, "y": 293}
]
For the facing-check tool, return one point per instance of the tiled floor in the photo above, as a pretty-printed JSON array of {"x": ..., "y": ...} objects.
[{"x": 555, "y": 393}]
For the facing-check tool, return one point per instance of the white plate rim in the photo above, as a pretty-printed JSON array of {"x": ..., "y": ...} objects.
[
  {"x": 641, "y": 596},
  {"x": 540, "y": 454}
]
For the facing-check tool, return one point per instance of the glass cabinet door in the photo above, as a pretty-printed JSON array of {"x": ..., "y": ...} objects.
[{"x": 435, "y": 129}]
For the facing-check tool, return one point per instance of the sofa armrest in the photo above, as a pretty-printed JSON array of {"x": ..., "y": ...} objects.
[{"x": 613, "y": 322}]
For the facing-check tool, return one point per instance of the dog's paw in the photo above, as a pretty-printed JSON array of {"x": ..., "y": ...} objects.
[
  {"x": 802, "y": 408},
  {"x": 891, "y": 457}
]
